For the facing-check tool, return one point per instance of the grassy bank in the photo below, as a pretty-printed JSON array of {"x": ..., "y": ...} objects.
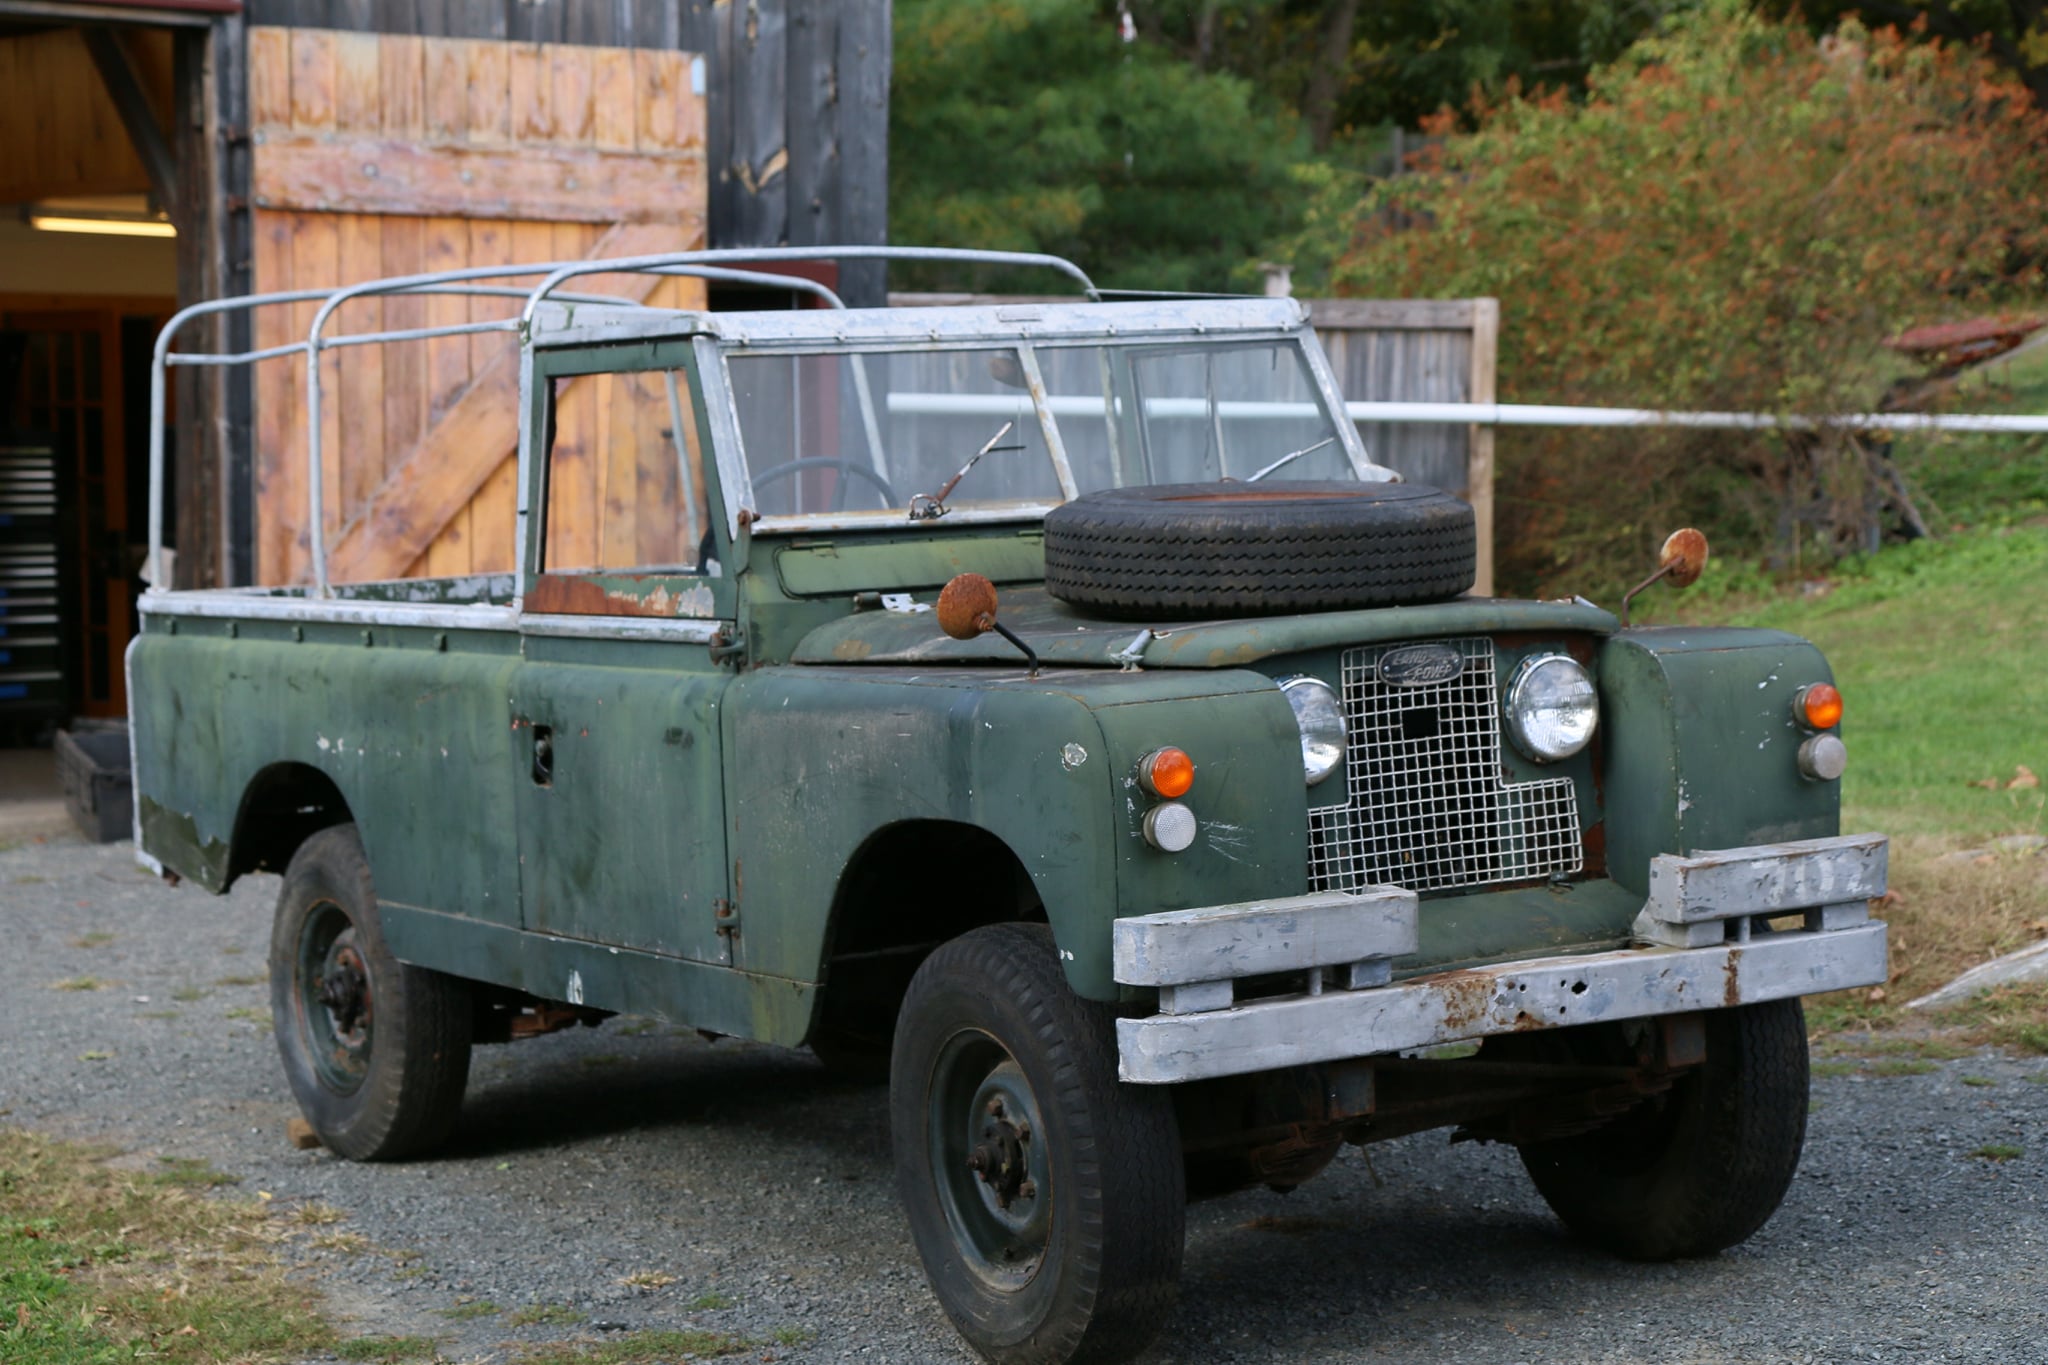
[
  {"x": 101, "y": 1266},
  {"x": 1941, "y": 651}
]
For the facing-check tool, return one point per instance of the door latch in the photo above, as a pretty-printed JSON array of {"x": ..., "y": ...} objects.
[{"x": 544, "y": 755}]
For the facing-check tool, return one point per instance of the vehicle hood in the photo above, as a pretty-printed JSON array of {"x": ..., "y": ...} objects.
[{"x": 1067, "y": 637}]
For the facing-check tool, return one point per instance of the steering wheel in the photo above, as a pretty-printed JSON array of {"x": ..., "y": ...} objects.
[{"x": 783, "y": 471}]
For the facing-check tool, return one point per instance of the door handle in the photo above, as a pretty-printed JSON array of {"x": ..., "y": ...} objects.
[{"x": 544, "y": 755}]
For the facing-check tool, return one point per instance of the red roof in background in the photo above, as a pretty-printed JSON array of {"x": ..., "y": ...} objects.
[{"x": 1965, "y": 343}]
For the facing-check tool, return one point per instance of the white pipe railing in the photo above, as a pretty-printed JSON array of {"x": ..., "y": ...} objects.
[{"x": 1544, "y": 415}]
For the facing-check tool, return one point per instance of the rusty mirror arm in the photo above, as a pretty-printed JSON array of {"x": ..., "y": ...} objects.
[
  {"x": 1680, "y": 563},
  {"x": 967, "y": 609}
]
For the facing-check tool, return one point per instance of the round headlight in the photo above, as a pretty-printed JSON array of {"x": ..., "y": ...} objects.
[
  {"x": 1320, "y": 717},
  {"x": 1551, "y": 707}
]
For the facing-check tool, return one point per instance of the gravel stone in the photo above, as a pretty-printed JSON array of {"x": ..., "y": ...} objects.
[{"x": 745, "y": 1172}]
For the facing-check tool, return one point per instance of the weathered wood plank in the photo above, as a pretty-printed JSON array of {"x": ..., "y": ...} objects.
[
  {"x": 440, "y": 475},
  {"x": 813, "y": 122},
  {"x": 490, "y": 243},
  {"x": 445, "y": 246},
  {"x": 614, "y": 101},
  {"x": 654, "y": 119},
  {"x": 1479, "y": 441},
  {"x": 278, "y": 458},
  {"x": 402, "y": 85},
  {"x": 569, "y": 88},
  {"x": 490, "y": 94},
  {"x": 446, "y": 63},
  {"x": 538, "y": 180},
  {"x": 1394, "y": 315},
  {"x": 759, "y": 105},
  {"x": 493, "y": 518},
  {"x": 270, "y": 77},
  {"x": 532, "y": 87},
  {"x": 312, "y": 79},
  {"x": 572, "y": 473},
  {"x": 405, "y": 387},
  {"x": 863, "y": 73}
]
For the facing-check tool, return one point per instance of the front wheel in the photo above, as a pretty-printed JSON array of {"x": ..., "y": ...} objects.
[
  {"x": 1701, "y": 1167},
  {"x": 1046, "y": 1197},
  {"x": 376, "y": 1052}
]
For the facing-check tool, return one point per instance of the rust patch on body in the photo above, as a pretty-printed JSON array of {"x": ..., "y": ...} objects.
[{"x": 658, "y": 595}]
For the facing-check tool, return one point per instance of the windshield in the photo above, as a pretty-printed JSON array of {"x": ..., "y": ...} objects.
[{"x": 865, "y": 434}]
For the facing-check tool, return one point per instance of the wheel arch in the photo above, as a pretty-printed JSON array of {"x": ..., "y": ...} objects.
[
  {"x": 282, "y": 806},
  {"x": 909, "y": 886}
]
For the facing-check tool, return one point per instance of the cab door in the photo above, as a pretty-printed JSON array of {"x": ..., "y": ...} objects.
[{"x": 615, "y": 706}]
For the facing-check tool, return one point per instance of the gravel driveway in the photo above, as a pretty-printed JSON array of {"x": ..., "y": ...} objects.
[{"x": 763, "y": 1187}]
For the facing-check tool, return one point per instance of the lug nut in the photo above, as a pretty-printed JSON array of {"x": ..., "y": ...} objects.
[
  {"x": 995, "y": 1105},
  {"x": 1028, "y": 1190}
]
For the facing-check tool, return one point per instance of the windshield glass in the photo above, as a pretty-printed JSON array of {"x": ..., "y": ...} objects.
[
  {"x": 831, "y": 433},
  {"x": 1189, "y": 414},
  {"x": 837, "y": 433}
]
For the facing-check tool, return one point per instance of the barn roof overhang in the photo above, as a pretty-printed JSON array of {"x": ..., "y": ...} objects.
[{"x": 175, "y": 13}]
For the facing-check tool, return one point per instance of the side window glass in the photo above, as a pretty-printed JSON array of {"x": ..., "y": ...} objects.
[{"x": 626, "y": 489}]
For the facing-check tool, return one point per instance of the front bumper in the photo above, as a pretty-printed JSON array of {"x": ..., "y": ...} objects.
[{"x": 1705, "y": 948}]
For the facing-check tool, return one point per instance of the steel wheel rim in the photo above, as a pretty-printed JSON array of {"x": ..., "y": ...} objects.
[
  {"x": 334, "y": 999},
  {"x": 987, "y": 1146}
]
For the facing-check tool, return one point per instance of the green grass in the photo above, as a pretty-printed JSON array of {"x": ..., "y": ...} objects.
[
  {"x": 1941, "y": 651},
  {"x": 714, "y": 1301},
  {"x": 80, "y": 983},
  {"x": 97, "y": 938},
  {"x": 1834, "y": 1069},
  {"x": 104, "y": 1267},
  {"x": 635, "y": 1348},
  {"x": 1998, "y": 1151},
  {"x": 191, "y": 1173},
  {"x": 389, "y": 1350},
  {"x": 1979, "y": 1081},
  {"x": 242, "y": 981},
  {"x": 469, "y": 1312},
  {"x": 1899, "y": 1067},
  {"x": 546, "y": 1315}
]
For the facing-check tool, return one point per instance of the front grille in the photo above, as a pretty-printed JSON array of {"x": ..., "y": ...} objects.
[{"x": 1427, "y": 804}]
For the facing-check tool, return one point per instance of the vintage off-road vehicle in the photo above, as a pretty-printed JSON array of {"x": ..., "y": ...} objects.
[{"x": 1168, "y": 873}]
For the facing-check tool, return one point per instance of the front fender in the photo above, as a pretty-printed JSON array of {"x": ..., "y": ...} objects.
[
  {"x": 819, "y": 759},
  {"x": 1701, "y": 748}
]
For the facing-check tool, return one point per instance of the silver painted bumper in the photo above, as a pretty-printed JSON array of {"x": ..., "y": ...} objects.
[{"x": 1703, "y": 950}]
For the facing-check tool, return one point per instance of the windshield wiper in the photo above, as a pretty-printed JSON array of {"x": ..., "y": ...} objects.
[
  {"x": 1290, "y": 458},
  {"x": 932, "y": 506}
]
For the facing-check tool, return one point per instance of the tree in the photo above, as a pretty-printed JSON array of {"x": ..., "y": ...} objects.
[
  {"x": 1032, "y": 125},
  {"x": 1735, "y": 217}
]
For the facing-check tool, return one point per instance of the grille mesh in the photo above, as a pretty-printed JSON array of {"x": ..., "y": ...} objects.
[{"x": 1427, "y": 805}]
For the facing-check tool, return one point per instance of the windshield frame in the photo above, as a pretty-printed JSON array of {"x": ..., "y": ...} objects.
[{"x": 736, "y": 480}]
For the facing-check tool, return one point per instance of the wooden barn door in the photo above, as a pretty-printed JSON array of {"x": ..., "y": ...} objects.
[{"x": 381, "y": 155}]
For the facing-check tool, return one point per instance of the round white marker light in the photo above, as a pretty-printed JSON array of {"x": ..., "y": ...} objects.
[
  {"x": 1824, "y": 757},
  {"x": 1170, "y": 827}
]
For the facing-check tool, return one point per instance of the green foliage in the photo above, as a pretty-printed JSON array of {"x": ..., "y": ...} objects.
[
  {"x": 1735, "y": 218},
  {"x": 1029, "y": 125}
]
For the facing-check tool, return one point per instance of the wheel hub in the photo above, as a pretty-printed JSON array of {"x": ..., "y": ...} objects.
[
  {"x": 344, "y": 989},
  {"x": 999, "y": 1159}
]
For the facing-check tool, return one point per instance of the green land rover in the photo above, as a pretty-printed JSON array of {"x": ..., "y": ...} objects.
[{"x": 1054, "y": 708}]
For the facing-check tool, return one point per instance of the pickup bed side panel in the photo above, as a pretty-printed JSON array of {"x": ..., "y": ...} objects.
[
  {"x": 412, "y": 727},
  {"x": 1701, "y": 749}
]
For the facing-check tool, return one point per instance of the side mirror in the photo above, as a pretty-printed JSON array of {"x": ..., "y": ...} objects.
[
  {"x": 967, "y": 609},
  {"x": 1680, "y": 563}
]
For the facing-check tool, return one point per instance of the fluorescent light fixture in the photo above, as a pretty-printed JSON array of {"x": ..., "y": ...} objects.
[{"x": 106, "y": 227}]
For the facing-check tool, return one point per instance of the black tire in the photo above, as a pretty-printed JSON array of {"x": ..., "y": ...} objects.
[
  {"x": 376, "y": 1051},
  {"x": 1235, "y": 549},
  {"x": 1097, "y": 1213},
  {"x": 1701, "y": 1167}
]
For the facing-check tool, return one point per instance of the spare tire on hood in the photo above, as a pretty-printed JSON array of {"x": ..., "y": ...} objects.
[{"x": 1187, "y": 550}]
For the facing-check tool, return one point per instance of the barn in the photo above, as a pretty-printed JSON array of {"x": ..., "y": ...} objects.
[{"x": 160, "y": 152}]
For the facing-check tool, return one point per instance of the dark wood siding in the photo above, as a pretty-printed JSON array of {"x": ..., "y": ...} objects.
[{"x": 797, "y": 90}]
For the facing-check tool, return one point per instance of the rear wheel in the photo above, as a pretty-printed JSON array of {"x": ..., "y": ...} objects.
[
  {"x": 1701, "y": 1167},
  {"x": 1046, "y": 1197},
  {"x": 376, "y": 1052}
]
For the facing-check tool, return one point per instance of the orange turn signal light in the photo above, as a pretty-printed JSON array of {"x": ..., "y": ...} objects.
[
  {"x": 1820, "y": 706},
  {"x": 1167, "y": 772}
]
